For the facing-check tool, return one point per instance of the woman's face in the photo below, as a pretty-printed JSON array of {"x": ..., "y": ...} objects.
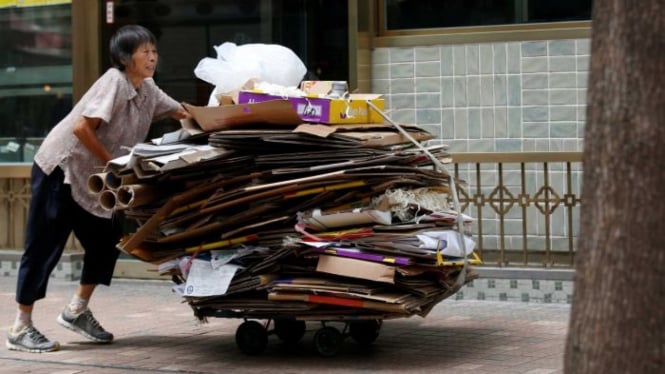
[{"x": 143, "y": 64}]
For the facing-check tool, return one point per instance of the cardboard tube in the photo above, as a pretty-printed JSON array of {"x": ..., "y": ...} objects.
[
  {"x": 115, "y": 181},
  {"x": 133, "y": 195},
  {"x": 107, "y": 199},
  {"x": 96, "y": 182}
]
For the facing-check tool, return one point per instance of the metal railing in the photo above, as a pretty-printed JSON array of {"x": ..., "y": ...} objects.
[
  {"x": 525, "y": 206},
  {"x": 14, "y": 203}
]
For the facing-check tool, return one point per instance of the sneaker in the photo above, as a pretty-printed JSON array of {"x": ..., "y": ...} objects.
[
  {"x": 29, "y": 339},
  {"x": 86, "y": 325}
]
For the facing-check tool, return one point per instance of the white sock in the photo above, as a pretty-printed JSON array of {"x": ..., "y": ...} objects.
[
  {"x": 78, "y": 304},
  {"x": 22, "y": 320}
]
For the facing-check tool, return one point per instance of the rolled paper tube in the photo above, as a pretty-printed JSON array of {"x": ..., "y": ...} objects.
[
  {"x": 114, "y": 181},
  {"x": 96, "y": 182},
  {"x": 108, "y": 199},
  {"x": 133, "y": 195}
]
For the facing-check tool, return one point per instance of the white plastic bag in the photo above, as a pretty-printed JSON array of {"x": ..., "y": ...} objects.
[{"x": 235, "y": 65}]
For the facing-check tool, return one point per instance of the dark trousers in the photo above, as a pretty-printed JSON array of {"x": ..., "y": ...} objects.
[{"x": 53, "y": 215}]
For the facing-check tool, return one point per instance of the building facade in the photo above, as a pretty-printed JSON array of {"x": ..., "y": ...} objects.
[{"x": 483, "y": 76}]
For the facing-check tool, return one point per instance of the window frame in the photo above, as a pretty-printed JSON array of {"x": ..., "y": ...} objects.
[{"x": 476, "y": 34}]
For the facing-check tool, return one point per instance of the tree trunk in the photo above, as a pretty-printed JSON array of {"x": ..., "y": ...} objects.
[{"x": 617, "y": 320}]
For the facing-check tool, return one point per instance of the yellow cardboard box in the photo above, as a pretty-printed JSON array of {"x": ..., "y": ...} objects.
[{"x": 349, "y": 110}]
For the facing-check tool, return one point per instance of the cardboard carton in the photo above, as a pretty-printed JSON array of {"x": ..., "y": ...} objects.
[
  {"x": 316, "y": 87},
  {"x": 212, "y": 118},
  {"x": 353, "y": 268},
  {"x": 350, "y": 110}
]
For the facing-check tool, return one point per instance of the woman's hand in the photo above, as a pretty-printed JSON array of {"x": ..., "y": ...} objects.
[{"x": 181, "y": 114}]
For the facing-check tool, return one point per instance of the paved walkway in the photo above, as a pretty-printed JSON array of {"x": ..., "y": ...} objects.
[{"x": 156, "y": 333}]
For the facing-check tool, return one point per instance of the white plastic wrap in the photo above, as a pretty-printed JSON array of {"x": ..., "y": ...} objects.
[{"x": 235, "y": 65}]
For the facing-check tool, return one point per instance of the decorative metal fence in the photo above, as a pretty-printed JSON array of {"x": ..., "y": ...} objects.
[
  {"x": 525, "y": 205},
  {"x": 14, "y": 201}
]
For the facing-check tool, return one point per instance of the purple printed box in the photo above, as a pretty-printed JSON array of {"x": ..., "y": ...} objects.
[{"x": 322, "y": 110}]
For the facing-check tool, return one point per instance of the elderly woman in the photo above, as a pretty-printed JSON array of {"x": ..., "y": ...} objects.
[{"x": 115, "y": 112}]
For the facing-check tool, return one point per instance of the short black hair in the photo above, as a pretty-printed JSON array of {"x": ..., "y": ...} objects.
[{"x": 125, "y": 41}]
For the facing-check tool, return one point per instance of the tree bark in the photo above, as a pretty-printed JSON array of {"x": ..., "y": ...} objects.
[{"x": 617, "y": 322}]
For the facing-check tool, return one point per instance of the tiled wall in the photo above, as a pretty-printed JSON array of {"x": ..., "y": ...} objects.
[
  {"x": 498, "y": 97},
  {"x": 68, "y": 268},
  {"x": 526, "y": 290}
]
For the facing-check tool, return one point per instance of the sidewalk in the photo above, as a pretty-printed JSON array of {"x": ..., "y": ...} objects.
[{"x": 156, "y": 333}]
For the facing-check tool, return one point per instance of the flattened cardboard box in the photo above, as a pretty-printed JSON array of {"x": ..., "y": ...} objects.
[
  {"x": 354, "y": 109},
  {"x": 212, "y": 118},
  {"x": 383, "y": 135},
  {"x": 353, "y": 268},
  {"x": 355, "y": 217}
]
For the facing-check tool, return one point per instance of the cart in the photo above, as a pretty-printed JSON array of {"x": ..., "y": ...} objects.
[
  {"x": 290, "y": 326},
  {"x": 198, "y": 210},
  {"x": 251, "y": 336}
]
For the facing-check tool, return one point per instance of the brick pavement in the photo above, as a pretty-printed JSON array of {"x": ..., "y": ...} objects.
[{"x": 156, "y": 333}]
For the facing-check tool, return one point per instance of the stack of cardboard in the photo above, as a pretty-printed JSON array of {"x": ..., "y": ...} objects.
[{"x": 256, "y": 213}]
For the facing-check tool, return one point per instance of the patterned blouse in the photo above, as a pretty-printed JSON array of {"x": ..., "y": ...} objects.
[{"x": 126, "y": 114}]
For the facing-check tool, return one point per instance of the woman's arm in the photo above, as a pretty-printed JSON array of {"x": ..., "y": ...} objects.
[
  {"x": 84, "y": 129},
  {"x": 181, "y": 113}
]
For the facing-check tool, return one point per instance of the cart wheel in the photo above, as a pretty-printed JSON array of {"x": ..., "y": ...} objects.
[
  {"x": 365, "y": 332},
  {"x": 328, "y": 341},
  {"x": 289, "y": 330},
  {"x": 251, "y": 337}
]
